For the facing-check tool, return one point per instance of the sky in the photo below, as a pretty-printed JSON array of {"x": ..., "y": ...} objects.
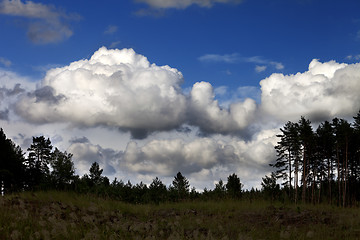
[{"x": 148, "y": 88}]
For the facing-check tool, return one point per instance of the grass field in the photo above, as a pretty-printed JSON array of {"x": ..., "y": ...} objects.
[{"x": 61, "y": 215}]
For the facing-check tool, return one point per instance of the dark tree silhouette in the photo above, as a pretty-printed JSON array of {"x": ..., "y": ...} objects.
[
  {"x": 325, "y": 142},
  {"x": 63, "y": 169},
  {"x": 11, "y": 165},
  {"x": 157, "y": 191},
  {"x": 233, "y": 186},
  {"x": 306, "y": 137},
  {"x": 181, "y": 186},
  {"x": 269, "y": 186},
  {"x": 95, "y": 174},
  {"x": 37, "y": 163},
  {"x": 288, "y": 152},
  {"x": 220, "y": 189}
]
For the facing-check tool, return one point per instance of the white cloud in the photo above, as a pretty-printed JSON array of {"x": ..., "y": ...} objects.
[
  {"x": 86, "y": 153},
  {"x": 324, "y": 91},
  {"x": 120, "y": 88},
  {"x": 114, "y": 44},
  {"x": 117, "y": 88},
  {"x": 261, "y": 62},
  {"x": 260, "y": 69},
  {"x": 220, "y": 91},
  {"x": 206, "y": 113},
  {"x": 12, "y": 86},
  {"x": 353, "y": 57},
  {"x": 182, "y": 4},
  {"x": 166, "y": 157},
  {"x": 111, "y": 29},
  {"x": 5, "y": 62},
  {"x": 47, "y": 24},
  {"x": 227, "y": 58},
  {"x": 214, "y": 158},
  {"x": 277, "y": 65}
]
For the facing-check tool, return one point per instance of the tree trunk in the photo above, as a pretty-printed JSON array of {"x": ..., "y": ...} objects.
[
  {"x": 338, "y": 177},
  {"x": 296, "y": 179},
  {"x": 304, "y": 176},
  {"x": 320, "y": 190},
  {"x": 346, "y": 170},
  {"x": 290, "y": 175},
  {"x": 313, "y": 187},
  {"x": 329, "y": 178}
]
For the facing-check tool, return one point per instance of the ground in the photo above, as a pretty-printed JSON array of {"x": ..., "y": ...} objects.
[{"x": 55, "y": 215}]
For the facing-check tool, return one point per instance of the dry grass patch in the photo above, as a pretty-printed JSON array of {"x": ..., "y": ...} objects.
[{"x": 59, "y": 215}]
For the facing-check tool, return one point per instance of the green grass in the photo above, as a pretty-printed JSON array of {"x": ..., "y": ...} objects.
[{"x": 66, "y": 215}]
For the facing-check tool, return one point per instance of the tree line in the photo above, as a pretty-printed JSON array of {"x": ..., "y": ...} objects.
[
  {"x": 314, "y": 166},
  {"x": 46, "y": 168},
  {"x": 321, "y": 165}
]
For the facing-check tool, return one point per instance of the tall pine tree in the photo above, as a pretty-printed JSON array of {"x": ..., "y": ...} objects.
[
  {"x": 38, "y": 161},
  {"x": 11, "y": 165}
]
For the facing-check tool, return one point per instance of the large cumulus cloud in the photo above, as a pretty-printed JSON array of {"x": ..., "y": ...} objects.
[
  {"x": 326, "y": 90},
  {"x": 166, "y": 157},
  {"x": 11, "y": 87},
  {"x": 113, "y": 88},
  {"x": 85, "y": 153},
  {"x": 120, "y": 88},
  {"x": 204, "y": 111},
  {"x": 203, "y": 159}
]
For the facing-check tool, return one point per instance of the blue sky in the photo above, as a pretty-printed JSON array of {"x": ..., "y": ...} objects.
[
  {"x": 228, "y": 95},
  {"x": 288, "y": 32}
]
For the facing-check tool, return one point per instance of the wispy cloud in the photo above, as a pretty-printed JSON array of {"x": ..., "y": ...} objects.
[
  {"x": 114, "y": 44},
  {"x": 261, "y": 62},
  {"x": 182, "y": 4},
  {"x": 227, "y": 58},
  {"x": 111, "y": 29},
  {"x": 5, "y": 62},
  {"x": 260, "y": 69},
  {"x": 47, "y": 24},
  {"x": 353, "y": 57}
]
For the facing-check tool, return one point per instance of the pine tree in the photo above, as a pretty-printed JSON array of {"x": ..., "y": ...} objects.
[
  {"x": 326, "y": 153},
  {"x": 181, "y": 186},
  {"x": 306, "y": 136},
  {"x": 233, "y": 186},
  {"x": 157, "y": 191},
  {"x": 11, "y": 165},
  {"x": 38, "y": 161},
  {"x": 269, "y": 186},
  {"x": 343, "y": 132},
  {"x": 95, "y": 174},
  {"x": 63, "y": 169},
  {"x": 288, "y": 152}
]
